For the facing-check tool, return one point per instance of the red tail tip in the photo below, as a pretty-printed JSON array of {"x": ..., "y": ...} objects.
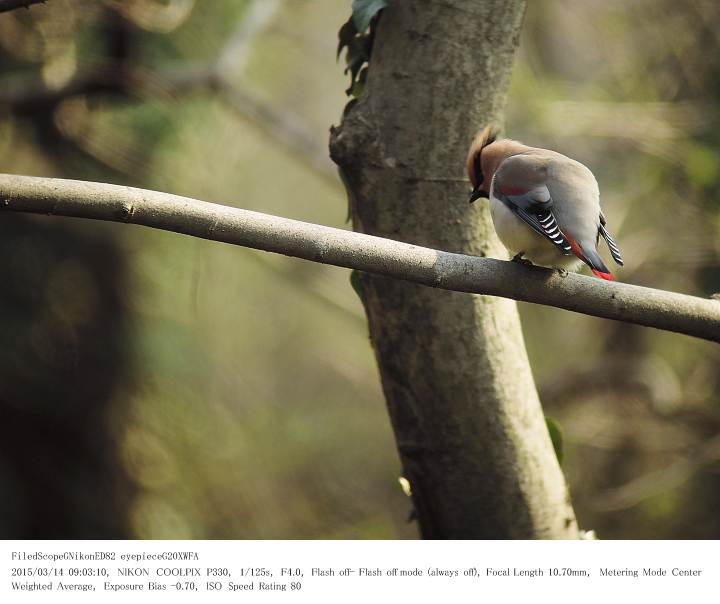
[{"x": 602, "y": 275}]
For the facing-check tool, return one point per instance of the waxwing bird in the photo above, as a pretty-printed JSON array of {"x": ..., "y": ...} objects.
[{"x": 545, "y": 206}]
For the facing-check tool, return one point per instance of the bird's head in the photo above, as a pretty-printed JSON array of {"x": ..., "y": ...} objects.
[
  {"x": 486, "y": 153},
  {"x": 478, "y": 163}
]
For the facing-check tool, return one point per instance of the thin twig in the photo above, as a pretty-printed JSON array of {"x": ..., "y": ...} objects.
[
  {"x": 255, "y": 19},
  {"x": 281, "y": 125},
  {"x": 29, "y": 96},
  {"x": 456, "y": 272}
]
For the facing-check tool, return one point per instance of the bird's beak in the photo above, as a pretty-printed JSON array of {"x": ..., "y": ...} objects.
[{"x": 477, "y": 194}]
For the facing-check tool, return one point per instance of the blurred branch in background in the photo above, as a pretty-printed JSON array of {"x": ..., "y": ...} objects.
[
  {"x": 659, "y": 128},
  {"x": 8, "y": 5},
  {"x": 29, "y": 95},
  {"x": 233, "y": 58},
  {"x": 666, "y": 479},
  {"x": 281, "y": 124},
  {"x": 456, "y": 272}
]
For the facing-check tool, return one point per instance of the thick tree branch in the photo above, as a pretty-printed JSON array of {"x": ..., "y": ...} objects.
[
  {"x": 8, "y": 5},
  {"x": 619, "y": 301}
]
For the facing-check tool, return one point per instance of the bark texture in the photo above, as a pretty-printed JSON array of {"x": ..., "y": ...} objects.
[{"x": 467, "y": 419}]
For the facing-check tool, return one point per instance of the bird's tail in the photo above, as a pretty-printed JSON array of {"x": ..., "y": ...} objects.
[
  {"x": 597, "y": 266},
  {"x": 589, "y": 255}
]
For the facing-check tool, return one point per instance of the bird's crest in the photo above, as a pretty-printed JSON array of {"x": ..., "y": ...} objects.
[{"x": 483, "y": 138}]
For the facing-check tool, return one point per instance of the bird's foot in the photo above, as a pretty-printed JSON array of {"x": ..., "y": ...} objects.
[
  {"x": 520, "y": 260},
  {"x": 563, "y": 272}
]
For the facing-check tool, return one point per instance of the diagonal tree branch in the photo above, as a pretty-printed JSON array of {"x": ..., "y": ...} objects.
[
  {"x": 29, "y": 96},
  {"x": 236, "y": 50},
  {"x": 680, "y": 313}
]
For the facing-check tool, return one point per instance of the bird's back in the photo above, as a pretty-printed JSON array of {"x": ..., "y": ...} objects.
[{"x": 572, "y": 187}]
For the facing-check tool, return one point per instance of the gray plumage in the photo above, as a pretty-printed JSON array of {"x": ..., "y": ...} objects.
[{"x": 544, "y": 205}]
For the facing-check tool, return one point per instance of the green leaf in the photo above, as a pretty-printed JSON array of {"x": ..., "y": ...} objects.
[
  {"x": 556, "y": 437},
  {"x": 356, "y": 283},
  {"x": 364, "y": 10},
  {"x": 345, "y": 35},
  {"x": 356, "y": 57}
]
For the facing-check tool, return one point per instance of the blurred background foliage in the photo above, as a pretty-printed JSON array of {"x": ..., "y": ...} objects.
[{"x": 156, "y": 386}]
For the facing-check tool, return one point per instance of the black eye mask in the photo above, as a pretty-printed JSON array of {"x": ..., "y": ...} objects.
[
  {"x": 477, "y": 168},
  {"x": 477, "y": 171}
]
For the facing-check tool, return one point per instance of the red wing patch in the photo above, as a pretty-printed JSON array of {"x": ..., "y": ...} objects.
[
  {"x": 576, "y": 248},
  {"x": 507, "y": 190}
]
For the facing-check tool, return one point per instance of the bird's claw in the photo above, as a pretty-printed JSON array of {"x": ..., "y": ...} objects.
[
  {"x": 520, "y": 260},
  {"x": 563, "y": 272}
]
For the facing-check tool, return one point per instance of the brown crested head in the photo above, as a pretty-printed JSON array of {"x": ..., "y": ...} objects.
[
  {"x": 484, "y": 156},
  {"x": 485, "y": 137}
]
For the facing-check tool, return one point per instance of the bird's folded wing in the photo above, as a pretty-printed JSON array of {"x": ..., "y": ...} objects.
[{"x": 534, "y": 207}]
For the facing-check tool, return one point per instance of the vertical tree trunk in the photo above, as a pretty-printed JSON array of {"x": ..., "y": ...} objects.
[{"x": 467, "y": 419}]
